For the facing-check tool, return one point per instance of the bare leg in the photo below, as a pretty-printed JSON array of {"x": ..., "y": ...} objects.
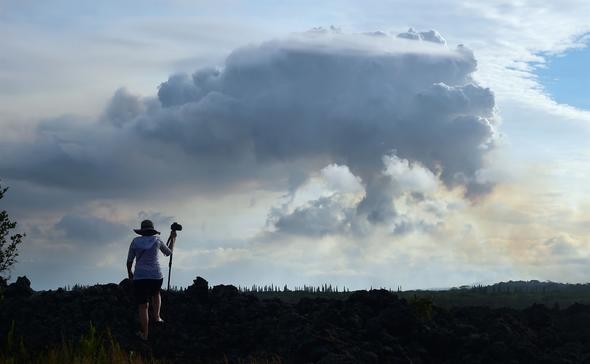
[
  {"x": 156, "y": 303},
  {"x": 144, "y": 319}
]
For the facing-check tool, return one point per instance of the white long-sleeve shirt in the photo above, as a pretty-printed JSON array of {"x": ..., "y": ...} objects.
[{"x": 145, "y": 250}]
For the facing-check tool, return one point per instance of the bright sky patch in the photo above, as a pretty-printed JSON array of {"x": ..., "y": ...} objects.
[{"x": 566, "y": 78}]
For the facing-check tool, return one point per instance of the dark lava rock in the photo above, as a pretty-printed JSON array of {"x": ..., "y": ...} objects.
[
  {"x": 20, "y": 288},
  {"x": 222, "y": 291},
  {"x": 538, "y": 316},
  {"x": 199, "y": 289},
  {"x": 222, "y": 325},
  {"x": 126, "y": 285}
]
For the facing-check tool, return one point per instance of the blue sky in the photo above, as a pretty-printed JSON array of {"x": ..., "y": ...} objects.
[
  {"x": 566, "y": 77},
  {"x": 84, "y": 86}
]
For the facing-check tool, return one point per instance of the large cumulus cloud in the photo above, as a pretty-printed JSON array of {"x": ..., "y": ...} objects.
[{"x": 276, "y": 113}]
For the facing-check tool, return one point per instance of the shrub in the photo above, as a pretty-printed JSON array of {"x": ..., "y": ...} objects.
[{"x": 8, "y": 243}]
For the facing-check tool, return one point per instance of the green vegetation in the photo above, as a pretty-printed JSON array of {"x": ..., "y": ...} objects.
[
  {"x": 8, "y": 243},
  {"x": 93, "y": 348},
  {"x": 293, "y": 295},
  {"x": 514, "y": 294},
  {"x": 423, "y": 307}
]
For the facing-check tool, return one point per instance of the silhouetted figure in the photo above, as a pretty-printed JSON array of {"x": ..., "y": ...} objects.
[{"x": 147, "y": 277}]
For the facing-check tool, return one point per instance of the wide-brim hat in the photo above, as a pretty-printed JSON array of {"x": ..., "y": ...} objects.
[{"x": 147, "y": 229}]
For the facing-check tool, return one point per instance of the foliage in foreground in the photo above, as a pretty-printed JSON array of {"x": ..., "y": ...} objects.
[{"x": 93, "y": 348}]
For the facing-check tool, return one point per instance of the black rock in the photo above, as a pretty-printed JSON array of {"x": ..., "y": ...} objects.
[
  {"x": 20, "y": 288},
  {"x": 199, "y": 289},
  {"x": 224, "y": 325},
  {"x": 538, "y": 316},
  {"x": 223, "y": 291},
  {"x": 126, "y": 285}
]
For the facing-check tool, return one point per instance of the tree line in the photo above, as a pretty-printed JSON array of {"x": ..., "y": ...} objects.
[{"x": 272, "y": 288}]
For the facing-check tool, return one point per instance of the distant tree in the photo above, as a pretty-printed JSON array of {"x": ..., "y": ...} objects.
[{"x": 8, "y": 243}]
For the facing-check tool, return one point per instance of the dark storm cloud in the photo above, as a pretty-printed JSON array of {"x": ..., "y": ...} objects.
[
  {"x": 86, "y": 229},
  {"x": 321, "y": 217},
  {"x": 277, "y": 112},
  {"x": 123, "y": 107},
  {"x": 280, "y": 102}
]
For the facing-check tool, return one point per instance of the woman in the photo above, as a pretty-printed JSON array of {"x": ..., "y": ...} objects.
[{"x": 147, "y": 278}]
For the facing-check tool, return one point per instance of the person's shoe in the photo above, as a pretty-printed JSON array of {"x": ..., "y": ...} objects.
[
  {"x": 159, "y": 321},
  {"x": 141, "y": 336}
]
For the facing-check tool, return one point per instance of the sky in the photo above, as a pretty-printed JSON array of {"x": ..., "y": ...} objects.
[
  {"x": 357, "y": 143},
  {"x": 565, "y": 77}
]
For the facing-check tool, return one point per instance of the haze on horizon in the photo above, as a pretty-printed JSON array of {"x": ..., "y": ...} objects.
[{"x": 370, "y": 143}]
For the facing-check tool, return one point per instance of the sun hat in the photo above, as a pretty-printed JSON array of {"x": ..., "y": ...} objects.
[{"x": 147, "y": 228}]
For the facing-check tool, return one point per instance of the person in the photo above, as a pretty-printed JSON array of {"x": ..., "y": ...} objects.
[{"x": 147, "y": 277}]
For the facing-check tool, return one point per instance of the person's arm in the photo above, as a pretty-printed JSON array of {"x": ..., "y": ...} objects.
[
  {"x": 164, "y": 248},
  {"x": 172, "y": 239},
  {"x": 129, "y": 272},
  {"x": 130, "y": 257}
]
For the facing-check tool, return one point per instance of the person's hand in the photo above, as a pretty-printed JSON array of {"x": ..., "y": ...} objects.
[{"x": 173, "y": 234}]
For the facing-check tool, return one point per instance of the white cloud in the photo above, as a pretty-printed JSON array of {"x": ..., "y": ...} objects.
[
  {"x": 338, "y": 178},
  {"x": 410, "y": 176}
]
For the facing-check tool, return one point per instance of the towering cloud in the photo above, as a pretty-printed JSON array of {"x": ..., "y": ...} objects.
[{"x": 278, "y": 112}]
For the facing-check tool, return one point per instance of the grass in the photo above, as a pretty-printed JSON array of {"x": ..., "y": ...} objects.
[{"x": 92, "y": 348}]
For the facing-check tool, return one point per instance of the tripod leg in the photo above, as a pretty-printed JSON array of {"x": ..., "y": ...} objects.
[{"x": 169, "y": 271}]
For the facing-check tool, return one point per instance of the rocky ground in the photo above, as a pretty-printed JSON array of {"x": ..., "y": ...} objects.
[{"x": 212, "y": 325}]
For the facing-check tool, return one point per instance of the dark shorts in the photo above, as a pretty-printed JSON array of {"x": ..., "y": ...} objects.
[{"x": 143, "y": 289}]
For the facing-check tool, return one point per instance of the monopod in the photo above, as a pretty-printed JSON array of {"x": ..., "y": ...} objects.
[{"x": 171, "y": 240}]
